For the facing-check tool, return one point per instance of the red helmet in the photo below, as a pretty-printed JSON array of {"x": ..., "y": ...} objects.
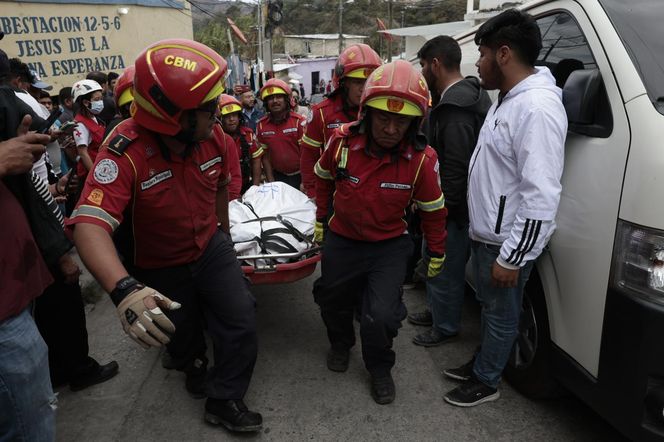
[
  {"x": 396, "y": 87},
  {"x": 356, "y": 61},
  {"x": 274, "y": 86},
  {"x": 228, "y": 104},
  {"x": 173, "y": 76},
  {"x": 122, "y": 92}
]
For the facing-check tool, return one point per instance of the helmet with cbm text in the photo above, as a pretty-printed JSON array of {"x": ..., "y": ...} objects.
[
  {"x": 229, "y": 104},
  {"x": 356, "y": 61},
  {"x": 173, "y": 76},
  {"x": 122, "y": 93},
  {"x": 274, "y": 86},
  {"x": 398, "y": 88}
]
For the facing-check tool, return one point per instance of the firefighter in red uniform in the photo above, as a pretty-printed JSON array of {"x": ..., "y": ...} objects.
[
  {"x": 249, "y": 154},
  {"x": 351, "y": 71},
  {"x": 373, "y": 169},
  {"x": 280, "y": 131},
  {"x": 165, "y": 170}
]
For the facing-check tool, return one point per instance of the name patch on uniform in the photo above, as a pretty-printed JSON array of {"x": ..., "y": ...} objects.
[
  {"x": 106, "y": 171},
  {"x": 396, "y": 186},
  {"x": 206, "y": 165},
  {"x": 269, "y": 132},
  {"x": 353, "y": 179},
  {"x": 289, "y": 130},
  {"x": 158, "y": 178},
  {"x": 334, "y": 125}
]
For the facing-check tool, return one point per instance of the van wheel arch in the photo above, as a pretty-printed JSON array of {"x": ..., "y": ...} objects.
[{"x": 529, "y": 368}]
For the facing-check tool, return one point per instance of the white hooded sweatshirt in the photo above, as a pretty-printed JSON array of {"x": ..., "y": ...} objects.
[{"x": 514, "y": 174}]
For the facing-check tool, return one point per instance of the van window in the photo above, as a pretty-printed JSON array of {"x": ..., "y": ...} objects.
[
  {"x": 565, "y": 50},
  {"x": 639, "y": 25},
  {"x": 564, "y": 47}
]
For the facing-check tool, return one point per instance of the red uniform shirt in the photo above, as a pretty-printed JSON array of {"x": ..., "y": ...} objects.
[
  {"x": 253, "y": 151},
  {"x": 282, "y": 141},
  {"x": 171, "y": 201},
  {"x": 325, "y": 117},
  {"x": 96, "y": 130},
  {"x": 371, "y": 194},
  {"x": 235, "y": 186}
]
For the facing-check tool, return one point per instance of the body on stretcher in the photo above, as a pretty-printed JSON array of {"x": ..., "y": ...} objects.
[{"x": 272, "y": 228}]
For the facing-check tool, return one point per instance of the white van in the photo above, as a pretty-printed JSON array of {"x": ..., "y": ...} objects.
[{"x": 593, "y": 317}]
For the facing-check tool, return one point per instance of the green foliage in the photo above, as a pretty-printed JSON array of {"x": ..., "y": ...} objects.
[{"x": 322, "y": 17}]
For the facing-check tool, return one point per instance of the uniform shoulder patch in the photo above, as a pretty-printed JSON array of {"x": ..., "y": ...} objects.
[{"x": 119, "y": 143}]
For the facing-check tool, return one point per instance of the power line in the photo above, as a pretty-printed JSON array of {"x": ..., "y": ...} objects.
[
  {"x": 204, "y": 11},
  {"x": 172, "y": 6}
]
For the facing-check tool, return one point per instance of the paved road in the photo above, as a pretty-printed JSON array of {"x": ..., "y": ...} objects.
[{"x": 300, "y": 399}]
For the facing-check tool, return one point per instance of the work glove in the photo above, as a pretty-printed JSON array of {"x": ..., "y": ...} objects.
[
  {"x": 434, "y": 263},
  {"x": 319, "y": 232},
  {"x": 141, "y": 315}
]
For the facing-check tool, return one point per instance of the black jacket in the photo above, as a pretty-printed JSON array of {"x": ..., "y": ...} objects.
[
  {"x": 453, "y": 127},
  {"x": 45, "y": 227}
]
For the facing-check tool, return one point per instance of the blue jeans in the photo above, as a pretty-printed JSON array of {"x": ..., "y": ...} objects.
[
  {"x": 445, "y": 291},
  {"x": 27, "y": 402},
  {"x": 501, "y": 310}
]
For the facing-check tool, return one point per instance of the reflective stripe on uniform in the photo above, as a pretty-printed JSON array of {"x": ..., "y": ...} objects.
[
  {"x": 96, "y": 212},
  {"x": 431, "y": 206},
  {"x": 311, "y": 142},
  {"x": 260, "y": 151},
  {"x": 322, "y": 173},
  {"x": 343, "y": 160},
  {"x": 263, "y": 146}
]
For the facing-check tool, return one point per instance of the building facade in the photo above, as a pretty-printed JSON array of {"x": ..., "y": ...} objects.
[{"x": 63, "y": 40}]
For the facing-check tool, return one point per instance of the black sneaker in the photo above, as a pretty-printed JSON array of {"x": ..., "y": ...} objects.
[
  {"x": 233, "y": 415},
  {"x": 470, "y": 393},
  {"x": 462, "y": 373},
  {"x": 337, "y": 359},
  {"x": 421, "y": 318},
  {"x": 382, "y": 389},
  {"x": 95, "y": 374},
  {"x": 432, "y": 338},
  {"x": 195, "y": 381}
]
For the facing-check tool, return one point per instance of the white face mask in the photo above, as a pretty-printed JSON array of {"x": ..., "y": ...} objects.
[{"x": 96, "y": 106}]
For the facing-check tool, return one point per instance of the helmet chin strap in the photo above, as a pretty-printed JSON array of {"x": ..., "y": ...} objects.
[{"x": 187, "y": 136}]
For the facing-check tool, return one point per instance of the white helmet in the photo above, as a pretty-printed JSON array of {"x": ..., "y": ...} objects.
[{"x": 84, "y": 87}]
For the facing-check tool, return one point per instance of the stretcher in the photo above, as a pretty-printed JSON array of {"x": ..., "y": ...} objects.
[{"x": 272, "y": 229}]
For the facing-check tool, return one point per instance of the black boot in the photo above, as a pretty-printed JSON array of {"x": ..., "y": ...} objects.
[
  {"x": 196, "y": 373},
  {"x": 93, "y": 374},
  {"x": 382, "y": 389},
  {"x": 232, "y": 414},
  {"x": 337, "y": 359}
]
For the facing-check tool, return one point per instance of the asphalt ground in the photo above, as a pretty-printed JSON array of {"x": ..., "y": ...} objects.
[{"x": 300, "y": 399}]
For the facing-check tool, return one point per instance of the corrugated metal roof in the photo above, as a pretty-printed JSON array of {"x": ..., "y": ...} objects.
[
  {"x": 323, "y": 36},
  {"x": 450, "y": 28}
]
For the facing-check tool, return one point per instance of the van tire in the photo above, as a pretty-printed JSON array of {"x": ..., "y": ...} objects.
[{"x": 529, "y": 367}]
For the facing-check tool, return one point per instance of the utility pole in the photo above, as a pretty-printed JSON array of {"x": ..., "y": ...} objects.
[
  {"x": 266, "y": 43},
  {"x": 341, "y": 35},
  {"x": 259, "y": 20},
  {"x": 403, "y": 21},
  {"x": 389, "y": 26}
]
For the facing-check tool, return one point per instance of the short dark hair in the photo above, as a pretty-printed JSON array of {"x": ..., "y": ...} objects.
[
  {"x": 444, "y": 48},
  {"x": 97, "y": 76},
  {"x": 112, "y": 76},
  {"x": 514, "y": 28},
  {"x": 44, "y": 94},
  {"x": 19, "y": 69},
  {"x": 64, "y": 94}
]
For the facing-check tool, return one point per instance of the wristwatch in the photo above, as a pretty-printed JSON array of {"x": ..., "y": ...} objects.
[{"x": 123, "y": 288}]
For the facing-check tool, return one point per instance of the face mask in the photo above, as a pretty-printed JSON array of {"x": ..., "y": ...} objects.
[{"x": 96, "y": 107}]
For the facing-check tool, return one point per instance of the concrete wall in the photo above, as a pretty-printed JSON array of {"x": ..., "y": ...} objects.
[
  {"x": 319, "y": 47},
  {"x": 64, "y": 41},
  {"x": 305, "y": 67}
]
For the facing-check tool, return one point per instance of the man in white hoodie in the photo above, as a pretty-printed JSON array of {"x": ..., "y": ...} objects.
[{"x": 513, "y": 191}]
